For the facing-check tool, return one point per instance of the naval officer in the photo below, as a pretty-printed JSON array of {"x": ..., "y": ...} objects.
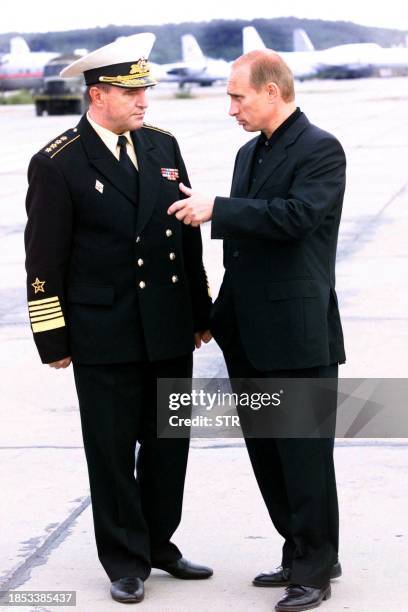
[
  {"x": 277, "y": 315},
  {"x": 118, "y": 288}
]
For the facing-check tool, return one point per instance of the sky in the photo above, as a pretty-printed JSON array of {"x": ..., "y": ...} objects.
[{"x": 49, "y": 15}]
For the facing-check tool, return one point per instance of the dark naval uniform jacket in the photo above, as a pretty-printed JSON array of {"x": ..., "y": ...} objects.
[
  {"x": 280, "y": 238},
  {"x": 112, "y": 277}
]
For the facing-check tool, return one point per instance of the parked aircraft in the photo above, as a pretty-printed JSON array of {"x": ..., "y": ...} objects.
[
  {"x": 22, "y": 68},
  {"x": 193, "y": 68},
  {"x": 303, "y": 64},
  {"x": 350, "y": 60}
]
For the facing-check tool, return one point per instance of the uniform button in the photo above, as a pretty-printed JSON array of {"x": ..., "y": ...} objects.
[
  {"x": 138, "y": 239},
  {"x": 174, "y": 279},
  {"x": 266, "y": 143},
  {"x": 235, "y": 254},
  {"x": 140, "y": 262},
  {"x": 172, "y": 256},
  {"x": 260, "y": 161},
  {"x": 142, "y": 284},
  {"x": 169, "y": 233}
]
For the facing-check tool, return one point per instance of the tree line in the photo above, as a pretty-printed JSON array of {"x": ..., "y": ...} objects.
[{"x": 217, "y": 38}]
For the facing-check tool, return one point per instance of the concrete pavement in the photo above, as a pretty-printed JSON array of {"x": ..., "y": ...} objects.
[{"x": 46, "y": 527}]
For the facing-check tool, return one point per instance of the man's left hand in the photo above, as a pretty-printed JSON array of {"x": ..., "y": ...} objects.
[{"x": 193, "y": 210}]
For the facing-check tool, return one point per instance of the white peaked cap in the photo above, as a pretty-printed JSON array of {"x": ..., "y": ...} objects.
[{"x": 125, "y": 50}]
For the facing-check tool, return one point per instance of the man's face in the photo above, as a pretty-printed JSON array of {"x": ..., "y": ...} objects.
[
  {"x": 124, "y": 109},
  {"x": 251, "y": 108}
]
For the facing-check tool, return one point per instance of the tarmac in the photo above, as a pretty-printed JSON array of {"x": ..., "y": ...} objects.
[{"x": 46, "y": 535}]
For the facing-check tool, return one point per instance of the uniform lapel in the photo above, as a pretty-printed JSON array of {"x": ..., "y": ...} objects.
[
  {"x": 106, "y": 163},
  {"x": 149, "y": 176},
  {"x": 279, "y": 153}
]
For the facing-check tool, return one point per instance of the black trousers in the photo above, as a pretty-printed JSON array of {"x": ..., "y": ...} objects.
[
  {"x": 134, "y": 516},
  {"x": 297, "y": 480}
]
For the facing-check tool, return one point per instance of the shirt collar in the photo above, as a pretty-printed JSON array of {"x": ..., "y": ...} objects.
[
  {"x": 281, "y": 128},
  {"x": 109, "y": 138}
]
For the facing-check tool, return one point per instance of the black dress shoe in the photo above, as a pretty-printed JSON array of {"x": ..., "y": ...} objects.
[
  {"x": 127, "y": 590},
  {"x": 300, "y": 597},
  {"x": 282, "y": 575},
  {"x": 185, "y": 569}
]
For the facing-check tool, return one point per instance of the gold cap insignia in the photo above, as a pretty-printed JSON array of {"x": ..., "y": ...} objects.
[{"x": 139, "y": 74}]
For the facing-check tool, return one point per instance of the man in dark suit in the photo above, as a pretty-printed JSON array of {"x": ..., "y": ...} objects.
[
  {"x": 119, "y": 288},
  {"x": 276, "y": 314}
]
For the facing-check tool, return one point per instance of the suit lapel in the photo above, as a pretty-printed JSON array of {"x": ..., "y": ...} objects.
[
  {"x": 106, "y": 163},
  {"x": 274, "y": 159},
  {"x": 279, "y": 153},
  {"x": 240, "y": 180},
  {"x": 149, "y": 176}
]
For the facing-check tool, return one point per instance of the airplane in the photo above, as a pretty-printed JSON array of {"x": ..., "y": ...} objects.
[
  {"x": 22, "y": 68},
  {"x": 355, "y": 59},
  {"x": 351, "y": 60},
  {"x": 193, "y": 68},
  {"x": 303, "y": 63}
]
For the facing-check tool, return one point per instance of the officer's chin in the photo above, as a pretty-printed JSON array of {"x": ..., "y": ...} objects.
[{"x": 136, "y": 123}]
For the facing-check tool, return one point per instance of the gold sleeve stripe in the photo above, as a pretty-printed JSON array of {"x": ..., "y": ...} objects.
[
  {"x": 45, "y": 309},
  {"x": 46, "y": 317},
  {"x": 44, "y": 306},
  {"x": 63, "y": 147},
  {"x": 48, "y": 325},
  {"x": 44, "y": 301}
]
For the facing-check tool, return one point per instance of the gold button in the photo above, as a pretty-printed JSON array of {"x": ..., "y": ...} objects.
[
  {"x": 142, "y": 284},
  {"x": 174, "y": 279},
  {"x": 138, "y": 239},
  {"x": 169, "y": 233},
  {"x": 172, "y": 256},
  {"x": 140, "y": 262}
]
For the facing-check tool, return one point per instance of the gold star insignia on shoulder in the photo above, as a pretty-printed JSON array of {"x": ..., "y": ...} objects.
[
  {"x": 38, "y": 285},
  {"x": 59, "y": 144}
]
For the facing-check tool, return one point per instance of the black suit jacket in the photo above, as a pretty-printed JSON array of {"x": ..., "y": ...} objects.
[
  {"x": 119, "y": 279},
  {"x": 280, "y": 240}
]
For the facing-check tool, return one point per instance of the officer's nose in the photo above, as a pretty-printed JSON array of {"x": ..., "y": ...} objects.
[{"x": 142, "y": 99}]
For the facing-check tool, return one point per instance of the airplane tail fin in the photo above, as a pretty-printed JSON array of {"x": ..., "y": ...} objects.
[
  {"x": 18, "y": 46},
  {"x": 251, "y": 40},
  {"x": 301, "y": 41},
  {"x": 191, "y": 51}
]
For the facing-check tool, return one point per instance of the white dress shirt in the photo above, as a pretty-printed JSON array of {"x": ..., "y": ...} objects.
[{"x": 110, "y": 139}]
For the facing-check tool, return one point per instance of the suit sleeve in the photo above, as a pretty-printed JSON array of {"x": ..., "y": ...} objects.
[
  {"x": 317, "y": 188},
  {"x": 48, "y": 241},
  {"x": 193, "y": 262}
]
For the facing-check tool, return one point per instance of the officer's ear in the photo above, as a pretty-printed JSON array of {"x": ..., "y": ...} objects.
[{"x": 96, "y": 95}]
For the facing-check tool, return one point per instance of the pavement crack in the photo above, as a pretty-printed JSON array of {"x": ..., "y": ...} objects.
[
  {"x": 358, "y": 239},
  {"x": 22, "y": 573}
]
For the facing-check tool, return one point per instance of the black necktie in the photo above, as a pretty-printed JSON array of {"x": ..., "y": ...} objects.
[{"x": 124, "y": 158}]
